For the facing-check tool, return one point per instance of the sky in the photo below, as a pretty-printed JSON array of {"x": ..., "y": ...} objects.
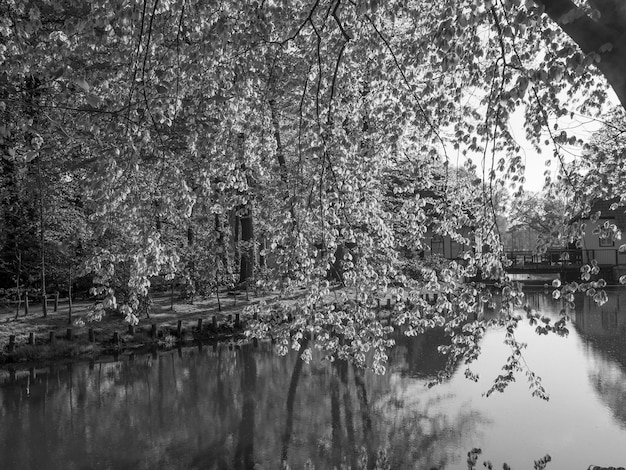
[{"x": 580, "y": 126}]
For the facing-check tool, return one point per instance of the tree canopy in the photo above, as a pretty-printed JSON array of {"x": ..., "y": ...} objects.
[{"x": 296, "y": 143}]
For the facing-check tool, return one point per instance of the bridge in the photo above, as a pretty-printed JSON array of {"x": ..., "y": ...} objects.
[
  {"x": 564, "y": 261},
  {"x": 552, "y": 260}
]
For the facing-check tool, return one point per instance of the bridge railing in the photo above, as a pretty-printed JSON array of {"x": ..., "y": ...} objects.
[
  {"x": 550, "y": 257},
  {"x": 566, "y": 257}
]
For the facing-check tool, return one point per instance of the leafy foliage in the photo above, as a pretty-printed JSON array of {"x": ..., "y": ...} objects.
[{"x": 317, "y": 136}]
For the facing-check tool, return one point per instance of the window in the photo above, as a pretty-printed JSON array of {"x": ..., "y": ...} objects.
[
  {"x": 436, "y": 245},
  {"x": 608, "y": 241},
  {"x": 606, "y": 232},
  {"x": 456, "y": 249}
]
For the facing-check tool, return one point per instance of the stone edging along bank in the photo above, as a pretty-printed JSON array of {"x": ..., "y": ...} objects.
[{"x": 92, "y": 342}]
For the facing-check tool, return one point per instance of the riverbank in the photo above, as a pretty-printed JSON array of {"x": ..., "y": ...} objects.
[{"x": 34, "y": 339}]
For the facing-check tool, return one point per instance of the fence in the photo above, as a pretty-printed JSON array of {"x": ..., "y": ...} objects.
[{"x": 566, "y": 257}]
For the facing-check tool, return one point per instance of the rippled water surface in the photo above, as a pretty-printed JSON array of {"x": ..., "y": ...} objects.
[{"x": 248, "y": 408}]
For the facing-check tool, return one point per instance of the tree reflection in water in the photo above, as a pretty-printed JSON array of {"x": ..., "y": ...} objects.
[
  {"x": 210, "y": 408},
  {"x": 244, "y": 453},
  {"x": 234, "y": 408},
  {"x": 291, "y": 396}
]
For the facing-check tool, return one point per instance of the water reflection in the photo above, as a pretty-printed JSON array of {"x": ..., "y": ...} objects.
[
  {"x": 245, "y": 408},
  {"x": 217, "y": 409},
  {"x": 417, "y": 356},
  {"x": 603, "y": 328}
]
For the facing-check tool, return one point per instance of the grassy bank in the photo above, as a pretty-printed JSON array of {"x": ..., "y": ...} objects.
[{"x": 33, "y": 338}]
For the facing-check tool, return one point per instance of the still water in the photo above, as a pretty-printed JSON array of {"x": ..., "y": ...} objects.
[{"x": 247, "y": 408}]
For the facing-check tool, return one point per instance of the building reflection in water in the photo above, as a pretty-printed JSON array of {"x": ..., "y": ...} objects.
[{"x": 603, "y": 328}]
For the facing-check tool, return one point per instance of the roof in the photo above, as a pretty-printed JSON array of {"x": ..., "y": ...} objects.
[{"x": 604, "y": 207}]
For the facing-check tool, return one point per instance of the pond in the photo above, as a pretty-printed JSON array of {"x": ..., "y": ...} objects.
[{"x": 222, "y": 408}]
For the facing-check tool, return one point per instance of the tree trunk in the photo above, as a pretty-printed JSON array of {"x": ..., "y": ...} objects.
[
  {"x": 69, "y": 298},
  {"x": 282, "y": 163},
  {"x": 236, "y": 239},
  {"x": 263, "y": 257},
  {"x": 192, "y": 265},
  {"x": 244, "y": 224},
  {"x": 17, "y": 284},
  {"x": 221, "y": 244},
  {"x": 42, "y": 232},
  {"x": 336, "y": 270},
  {"x": 247, "y": 252},
  {"x": 172, "y": 295},
  {"x": 148, "y": 305},
  {"x": 604, "y": 35}
]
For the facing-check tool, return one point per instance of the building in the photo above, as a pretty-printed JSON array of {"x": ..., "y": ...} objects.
[{"x": 605, "y": 222}]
